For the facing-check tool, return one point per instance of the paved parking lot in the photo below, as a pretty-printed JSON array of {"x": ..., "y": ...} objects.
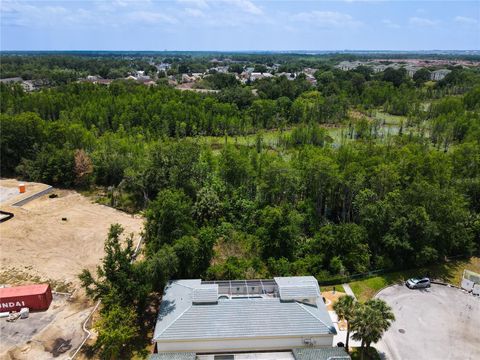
[{"x": 436, "y": 323}]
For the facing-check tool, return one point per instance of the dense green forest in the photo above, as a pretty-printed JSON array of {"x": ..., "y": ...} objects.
[{"x": 294, "y": 200}]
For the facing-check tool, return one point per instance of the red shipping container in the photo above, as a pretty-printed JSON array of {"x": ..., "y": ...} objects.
[{"x": 35, "y": 297}]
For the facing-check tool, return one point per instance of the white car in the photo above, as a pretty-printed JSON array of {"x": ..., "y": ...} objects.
[{"x": 415, "y": 283}]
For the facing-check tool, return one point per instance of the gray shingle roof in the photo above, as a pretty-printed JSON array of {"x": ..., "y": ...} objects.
[
  {"x": 180, "y": 318},
  {"x": 297, "y": 287},
  {"x": 205, "y": 294},
  {"x": 320, "y": 354},
  {"x": 294, "y": 292},
  {"x": 172, "y": 356}
]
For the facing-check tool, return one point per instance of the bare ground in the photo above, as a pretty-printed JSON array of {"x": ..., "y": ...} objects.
[
  {"x": 54, "y": 333},
  {"x": 36, "y": 245},
  {"x": 36, "y": 242}
]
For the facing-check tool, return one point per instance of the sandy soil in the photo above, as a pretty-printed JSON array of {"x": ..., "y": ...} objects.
[
  {"x": 36, "y": 245},
  {"x": 36, "y": 242},
  {"x": 332, "y": 298}
]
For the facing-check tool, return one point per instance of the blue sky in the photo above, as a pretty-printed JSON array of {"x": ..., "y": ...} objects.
[{"x": 239, "y": 25}]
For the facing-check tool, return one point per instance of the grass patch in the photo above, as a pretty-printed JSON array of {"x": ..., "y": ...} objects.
[
  {"x": 450, "y": 272},
  {"x": 390, "y": 119},
  {"x": 14, "y": 276},
  {"x": 338, "y": 288}
]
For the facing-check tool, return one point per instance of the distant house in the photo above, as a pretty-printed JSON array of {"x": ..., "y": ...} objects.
[
  {"x": 11, "y": 80},
  {"x": 257, "y": 76},
  {"x": 311, "y": 79},
  {"x": 379, "y": 68},
  {"x": 212, "y": 317},
  {"x": 27, "y": 85},
  {"x": 163, "y": 66},
  {"x": 93, "y": 78},
  {"x": 439, "y": 74},
  {"x": 348, "y": 65},
  {"x": 103, "y": 81},
  {"x": 411, "y": 70},
  {"x": 187, "y": 78}
]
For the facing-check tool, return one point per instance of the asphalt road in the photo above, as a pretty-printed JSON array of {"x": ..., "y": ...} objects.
[{"x": 439, "y": 323}]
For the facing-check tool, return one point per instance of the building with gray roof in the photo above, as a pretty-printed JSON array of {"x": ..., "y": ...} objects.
[
  {"x": 438, "y": 75},
  {"x": 242, "y": 315}
]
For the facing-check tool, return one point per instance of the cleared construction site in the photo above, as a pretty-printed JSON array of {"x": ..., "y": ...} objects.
[{"x": 49, "y": 236}]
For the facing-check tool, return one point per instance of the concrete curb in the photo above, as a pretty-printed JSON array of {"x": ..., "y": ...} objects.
[
  {"x": 32, "y": 197},
  {"x": 432, "y": 282},
  {"x": 385, "y": 287},
  {"x": 445, "y": 284}
]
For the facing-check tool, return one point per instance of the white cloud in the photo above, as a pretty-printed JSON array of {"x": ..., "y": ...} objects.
[
  {"x": 246, "y": 6},
  {"x": 151, "y": 17},
  {"x": 231, "y": 13},
  {"x": 328, "y": 19},
  {"x": 389, "y": 23},
  {"x": 465, "y": 20},
  {"x": 112, "y": 14},
  {"x": 198, "y": 3},
  {"x": 194, "y": 12},
  {"x": 418, "y": 21},
  {"x": 23, "y": 14}
]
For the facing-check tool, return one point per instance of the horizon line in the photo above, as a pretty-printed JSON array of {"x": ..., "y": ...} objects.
[{"x": 251, "y": 50}]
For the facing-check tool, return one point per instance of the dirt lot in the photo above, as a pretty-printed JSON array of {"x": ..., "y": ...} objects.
[
  {"x": 37, "y": 243},
  {"x": 44, "y": 335},
  {"x": 9, "y": 192},
  {"x": 436, "y": 323}
]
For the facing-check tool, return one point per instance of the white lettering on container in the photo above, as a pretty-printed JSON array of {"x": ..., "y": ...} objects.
[{"x": 8, "y": 305}]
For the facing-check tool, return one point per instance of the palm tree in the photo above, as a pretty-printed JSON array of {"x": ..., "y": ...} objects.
[
  {"x": 345, "y": 309},
  {"x": 385, "y": 310},
  {"x": 370, "y": 321}
]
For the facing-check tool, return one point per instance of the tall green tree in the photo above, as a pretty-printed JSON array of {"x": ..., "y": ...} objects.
[
  {"x": 118, "y": 281},
  {"x": 168, "y": 217},
  {"x": 117, "y": 331}
]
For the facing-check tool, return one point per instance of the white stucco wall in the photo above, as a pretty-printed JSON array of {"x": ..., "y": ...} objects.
[{"x": 254, "y": 344}]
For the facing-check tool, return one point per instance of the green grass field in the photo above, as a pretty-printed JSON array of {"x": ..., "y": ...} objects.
[
  {"x": 390, "y": 119},
  {"x": 450, "y": 272}
]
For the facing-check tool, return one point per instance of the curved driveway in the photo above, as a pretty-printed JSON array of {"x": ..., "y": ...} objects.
[{"x": 437, "y": 323}]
